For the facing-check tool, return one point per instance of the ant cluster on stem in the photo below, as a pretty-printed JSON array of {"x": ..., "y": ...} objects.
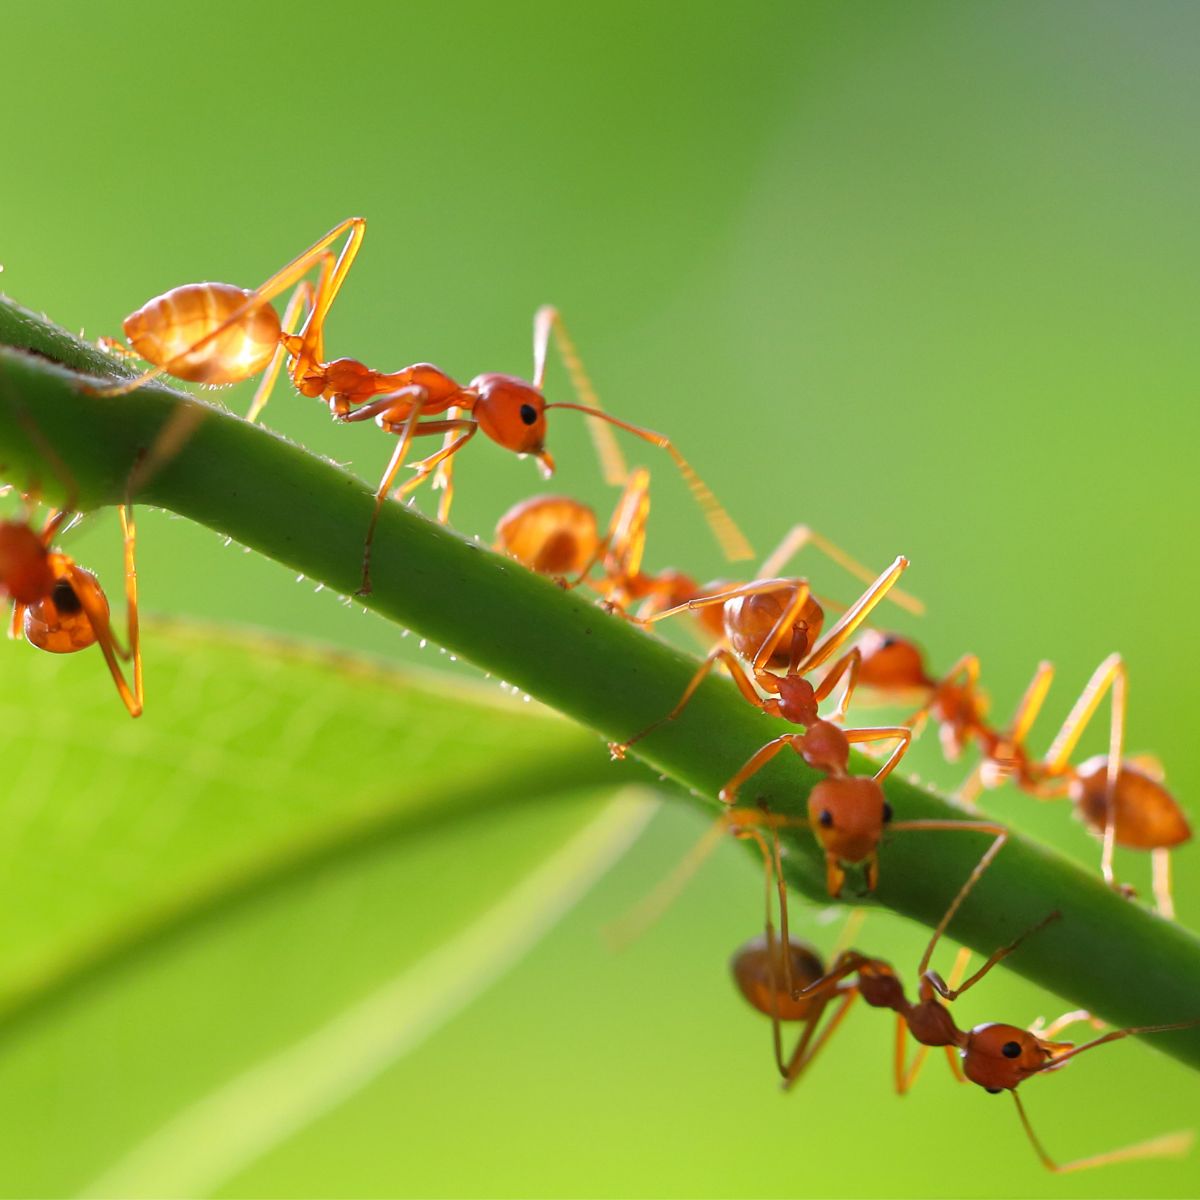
[{"x": 765, "y": 631}]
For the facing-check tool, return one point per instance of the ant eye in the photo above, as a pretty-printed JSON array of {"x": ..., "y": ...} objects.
[
  {"x": 993, "y": 1091},
  {"x": 826, "y": 818},
  {"x": 1011, "y": 1049},
  {"x": 887, "y": 812},
  {"x": 528, "y": 414},
  {"x": 888, "y": 642}
]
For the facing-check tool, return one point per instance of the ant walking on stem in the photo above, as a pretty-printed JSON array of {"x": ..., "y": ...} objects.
[
  {"x": 218, "y": 334},
  {"x": 773, "y": 624},
  {"x": 60, "y": 606},
  {"x": 1122, "y": 801},
  {"x": 560, "y": 537},
  {"x": 785, "y": 979}
]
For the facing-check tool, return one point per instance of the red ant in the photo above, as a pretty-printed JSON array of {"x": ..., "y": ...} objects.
[
  {"x": 1123, "y": 801},
  {"x": 560, "y": 537},
  {"x": 893, "y": 668},
  {"x": 219, "y": 334},
  {"x": 785, "y": 979},
  {"x": 773, "y": 623},
  {"x": 59, "y": 606}
]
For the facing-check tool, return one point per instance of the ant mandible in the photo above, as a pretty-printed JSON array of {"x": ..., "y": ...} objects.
[
  {"x": 219, "y": 334},
  {"x": 1122, "y": 801}
]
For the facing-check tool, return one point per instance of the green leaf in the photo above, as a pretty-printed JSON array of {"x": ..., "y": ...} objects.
[{"x": 166, "y": 882}]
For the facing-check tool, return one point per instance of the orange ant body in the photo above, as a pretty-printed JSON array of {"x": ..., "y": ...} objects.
[
  {"x": 219, "y": 334},
  {"x": 560, "y": 537},
  {"x": 893, "y": 668},
  {"x": 774, "y": 624},
  {"x": 60, "y": 607},
  {"x": 1122, "y": 801},
  {"x": 784, "y": 978}
]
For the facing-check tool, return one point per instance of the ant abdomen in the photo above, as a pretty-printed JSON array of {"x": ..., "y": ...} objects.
[
  {"x": 553, "y": 535},
  {"x": 760, "y": 970},
  {"x": 1145, "y": 815},
  {"x": 750, "y": 619},
  {"x": 165, "y": 330}
]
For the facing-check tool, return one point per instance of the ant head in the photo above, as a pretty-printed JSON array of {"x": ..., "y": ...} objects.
[
  {"x": 890, "y": 661},
  {"x": 58, "y": 622},
  {"x": 25, "y": 571},
  {"x": 847, "y": 815},
  {"x": 554, "y": 535},
  {"x": 512, "y": 413},
  {"x": 998, "y": 1057}
]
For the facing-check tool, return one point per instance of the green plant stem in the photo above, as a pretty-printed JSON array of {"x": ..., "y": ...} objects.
[{"x": 1107, "y": 954}]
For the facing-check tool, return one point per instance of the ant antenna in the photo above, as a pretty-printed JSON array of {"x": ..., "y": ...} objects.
[
  {"x": 1169, "y": 1145},
  {"x": 732, "y": 541},
  {"x": 548, "y": 320}
]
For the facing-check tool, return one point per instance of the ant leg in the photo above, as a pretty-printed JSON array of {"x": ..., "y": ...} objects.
[
  {"x": 83, "y": 587},
  {"x": 114, "y": 347},
  {"x": 54, "y": 522},
  {"x": 720, "y": 654},
  {"x": 883, "y": 733},
  {"x": 783, "y": 626},
  {"x": 713, "y": 598},
  {"x": 773, "y": 873},
  {"x": 547, "y": 323},
  {"x": 302, "y": 299},
  {"x": 1030, "y": 704},
  {"x": 17, "y": 621},
  {"x": 625, "y": 540},
  {"x": 969, "y": 790},
  {"x": 385, "y": 483},
  {"x": 848, "y": 666},
  {"x": 905, "y": 1076},
  {"x": 1169, "y": 1145},
  {"x": 731, "y": 539},
  {"x": 800, "y": 536},
  {"x": 1077, "y": 1015},
  {"x": 854, "y": 616},
  {"x": 755, "y": 763},
  {"x": 1000, "y": 836},
  {"x": 801, "y": 1061},
  {"x": 132, "y": 626},
  {"x": 1110, "y": 674},
  {"x": 443, "y": 480},
  {"x": 283, "y": 279},
  {"x": 1161, "y": 858},
  {"x": 952, "y": 993},
  {"x": 426, "y": 466}
]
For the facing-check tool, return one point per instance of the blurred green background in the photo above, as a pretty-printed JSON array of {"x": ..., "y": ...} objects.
[{"x": 921, "y": 275}]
